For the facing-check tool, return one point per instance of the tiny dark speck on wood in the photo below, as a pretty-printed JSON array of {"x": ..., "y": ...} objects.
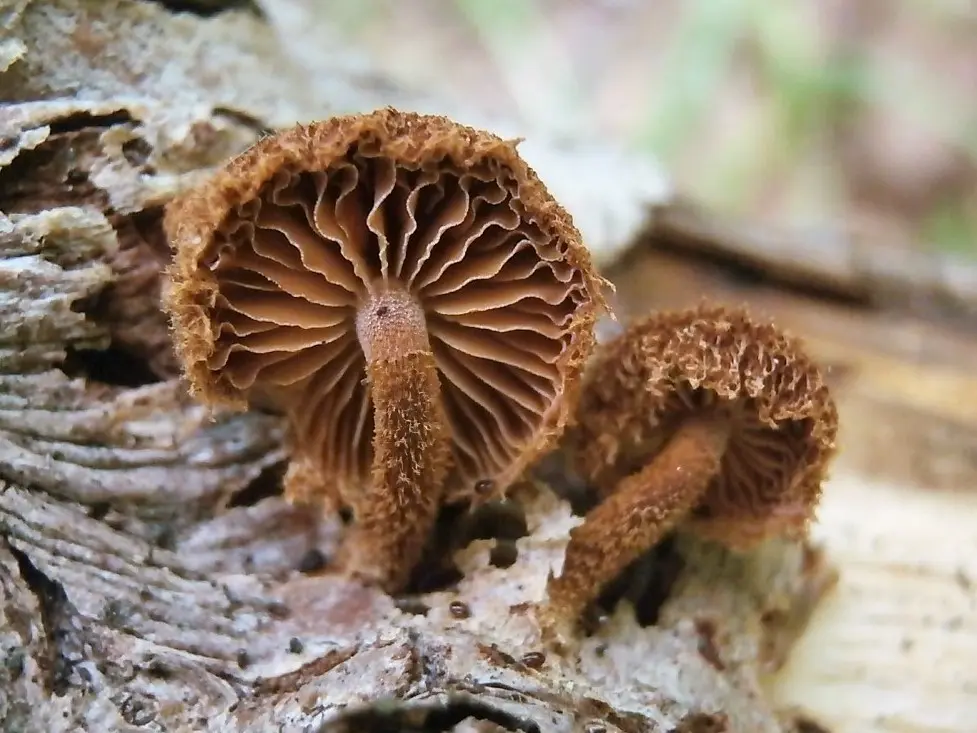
[{"x": 312, "y": 561}]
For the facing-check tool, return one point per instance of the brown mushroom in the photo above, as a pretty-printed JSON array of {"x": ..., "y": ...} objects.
[
  {"x": 411, "y": 297},
  {"x": 702, "y": 416}
]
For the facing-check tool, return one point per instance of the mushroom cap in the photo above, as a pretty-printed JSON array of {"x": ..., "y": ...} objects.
[
  {"x": 671, "y": 364},
  {"x": 277, "y": 251}
]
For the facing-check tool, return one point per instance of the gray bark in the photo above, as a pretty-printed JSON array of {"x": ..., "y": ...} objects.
[{"x": 150, "y": 574}]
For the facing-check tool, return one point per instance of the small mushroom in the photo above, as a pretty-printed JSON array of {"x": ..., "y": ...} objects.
[
  {"x": 702, "y": 416},
  {"x": 408, "y": 294}
]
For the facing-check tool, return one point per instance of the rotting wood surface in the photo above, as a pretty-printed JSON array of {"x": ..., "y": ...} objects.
[{"x": 151, "y": 577}]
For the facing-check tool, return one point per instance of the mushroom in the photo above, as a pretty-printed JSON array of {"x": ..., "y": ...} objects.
[
  {"x": 702, "y": 416},
  {"x": 408, "y": 294}
]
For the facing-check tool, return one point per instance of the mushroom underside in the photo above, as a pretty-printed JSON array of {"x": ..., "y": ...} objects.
[
  {"x": 295, "y": 265},
  {"x": 757, "y": 480},
  {"x": 713, "y": 463}
]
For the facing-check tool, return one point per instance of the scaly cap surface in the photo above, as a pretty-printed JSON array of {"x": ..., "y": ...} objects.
[{"x": 668, "y": 365}]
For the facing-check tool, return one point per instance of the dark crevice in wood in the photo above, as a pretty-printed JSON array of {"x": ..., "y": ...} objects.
[
  {"x": 113, "y": 366},
  {"x": 704, "y": 723},
  {"x": 56, "y": 172},
  {"x": 312, "y": 561},
  {"x": 504, "y": 520},
  {"x": 647, "y": 583},
  {"x": 210, "y": 8},
  {"x": 434, "y": 573},
  {"x": 806, "y": 725},
  {"x": 666, "y": 564},
  {"x": 136, "y": 152},
  {"x": 413, "y": 606},
  {"x": 555, "y": 470},
  {"x": 436, "y": 569},
  {"x": 147, "y": 230},
  {"x": 59, "y": 620},
  {"x": 457, "y": 527},
  {"x": 78, "y": 121},
  {"x": 130, "y": 306},
  {"x": 141, "y": 351},
  {"x": 504, "y": 554},
  {"x": 266, "y": 485},
  {"x": 434, "y": 719},
  {"x": 99, "y": 510}
]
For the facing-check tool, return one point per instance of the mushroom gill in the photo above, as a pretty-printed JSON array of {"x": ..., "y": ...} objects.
[
  {"x": 704, "y": 416},
  {"x": 408, "y": 293}
]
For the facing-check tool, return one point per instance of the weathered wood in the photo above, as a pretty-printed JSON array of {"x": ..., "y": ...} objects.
[
  {"x": 151, "y": 574},
  {"x": 840, "y": 259}
]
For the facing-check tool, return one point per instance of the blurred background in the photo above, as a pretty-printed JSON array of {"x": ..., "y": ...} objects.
[{"x": 786, "y": 112}]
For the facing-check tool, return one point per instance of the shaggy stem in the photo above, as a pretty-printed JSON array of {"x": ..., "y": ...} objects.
[
  {"x": 411, "y": 446},
  {"x": 635, "y": 517}
]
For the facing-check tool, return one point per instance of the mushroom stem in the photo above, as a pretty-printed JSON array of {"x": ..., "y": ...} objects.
[
  {"x": 640, "y": 511},
  {"x": 411, "y": 446}
]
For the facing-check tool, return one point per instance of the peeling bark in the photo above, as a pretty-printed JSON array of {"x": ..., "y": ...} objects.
[{"x": 152, "y": 576}]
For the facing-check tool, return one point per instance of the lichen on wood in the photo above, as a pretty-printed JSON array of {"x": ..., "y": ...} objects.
[{"x": 152, "y": 577}]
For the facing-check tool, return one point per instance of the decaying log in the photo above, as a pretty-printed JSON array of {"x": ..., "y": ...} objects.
[
  {"x": 122, "y": 630},
  {"x": 152, "y": 577},
  {"x": 839, "y": 260}
]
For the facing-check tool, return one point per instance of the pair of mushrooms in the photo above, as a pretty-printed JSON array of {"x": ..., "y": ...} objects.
[{"x": 408, "y": 294}]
